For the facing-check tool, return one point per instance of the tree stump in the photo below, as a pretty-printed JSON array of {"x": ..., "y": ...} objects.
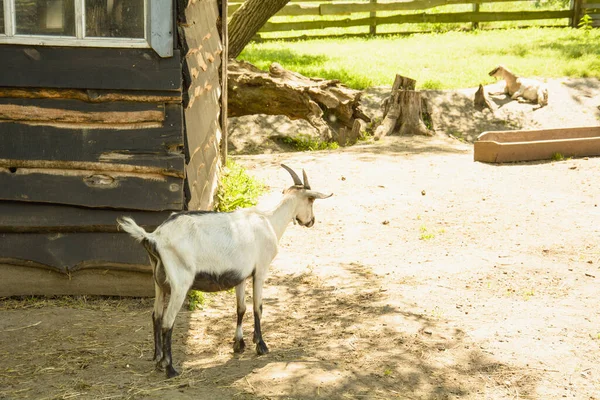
[
  {"x": 325, "y": 104},
  {"x": 403, "y": 110},
  {"x": 482, "y": 100}
]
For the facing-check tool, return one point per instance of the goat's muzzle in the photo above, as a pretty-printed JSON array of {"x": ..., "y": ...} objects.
[{"x": 306, "y": 224}]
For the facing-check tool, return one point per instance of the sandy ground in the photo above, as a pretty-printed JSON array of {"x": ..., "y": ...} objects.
[
  {"x": 572, "y": 102},
  {"x": 426, "y": 276}
]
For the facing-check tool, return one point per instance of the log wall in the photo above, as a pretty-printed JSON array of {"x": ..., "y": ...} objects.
[{"x": 88, "y": 135}]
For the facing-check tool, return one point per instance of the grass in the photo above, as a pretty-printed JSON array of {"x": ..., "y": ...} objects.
[
  {"x": 426, "y": 234},
  {"x": 308, "y": 143},
  {"x": 196, "y": 300},
  {"x": 237, "y": 189},
  {"x": 450, "y": 60}
]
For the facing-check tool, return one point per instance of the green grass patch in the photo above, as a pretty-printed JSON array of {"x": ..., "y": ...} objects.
[
  {"x": 557, "y": 157},
  {"x": 448, "y": 60},
  {"x": 308, "y": 143},
  {"x": 426, "y": 234},
  {"x": 196, "y": 300},
  {"x": 237, "y": 188}
]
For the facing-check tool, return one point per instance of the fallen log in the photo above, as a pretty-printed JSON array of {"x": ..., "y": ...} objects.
[{"x": 325, "y": 104}]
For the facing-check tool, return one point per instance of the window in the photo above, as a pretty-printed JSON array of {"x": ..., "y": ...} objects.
[{"x": 94, "y": 23}]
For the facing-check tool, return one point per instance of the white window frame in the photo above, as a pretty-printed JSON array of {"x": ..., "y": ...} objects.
[{"x": 158, "y": 32}]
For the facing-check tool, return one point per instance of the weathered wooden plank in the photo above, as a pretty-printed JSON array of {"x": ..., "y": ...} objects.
[
  {"x": 329, "y": 8},
  {"x": 169, "y": 165},
  {"x": 68, "y": 252},
  {"x": 91, "y": 68},
  {"x": 76, "y": 111},
  {"x": 419, "y": 18},
  {"x": 23, "y": 281},
  {"x": 92, "y": 189},
  {"x": 350, "y": 8},
  {"x": 151, "y": 147},
  {"x": 93, "y": 96},
  {"x": 20, "y": 217}
]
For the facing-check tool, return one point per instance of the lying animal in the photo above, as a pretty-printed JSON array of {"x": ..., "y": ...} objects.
[{"x": 529, "y": 89}]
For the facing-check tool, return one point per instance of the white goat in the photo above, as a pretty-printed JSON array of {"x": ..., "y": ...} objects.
[
  {"x": 530, "y": 89},
  {"x": 211, "y": 252}
]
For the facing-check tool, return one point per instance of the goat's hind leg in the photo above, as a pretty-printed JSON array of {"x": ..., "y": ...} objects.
[
  {"x": 175, "y": 302},
  {"x": 238, "y": 341},
  {"x": 261, "y": 346},
  {"x": 157, "y": 314}
]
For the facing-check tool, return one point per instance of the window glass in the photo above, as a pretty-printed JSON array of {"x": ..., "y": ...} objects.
[
  {"x": 114, "y": 18},
  {"x": 45, "y": 17},
  {"x": 1, "y": 17}
]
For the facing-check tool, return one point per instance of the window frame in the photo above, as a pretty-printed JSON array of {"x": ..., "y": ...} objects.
[{"x": 158, "y": 22}]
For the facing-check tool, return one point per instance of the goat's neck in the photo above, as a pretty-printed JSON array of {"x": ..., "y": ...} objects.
[
  {"x": 281, "y": 216},
  {"x": 509, "y": 77}
]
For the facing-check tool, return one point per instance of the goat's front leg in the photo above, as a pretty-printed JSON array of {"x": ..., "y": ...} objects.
[
  {"x": 516, "y": 94},
  {"x": 159, "y": 307},
  {"x": 257, "y": 285},
  {"x": 238, "y": 341}
]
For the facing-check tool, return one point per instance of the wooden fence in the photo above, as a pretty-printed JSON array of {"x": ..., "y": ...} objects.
[{"x": 322, "y": 14}]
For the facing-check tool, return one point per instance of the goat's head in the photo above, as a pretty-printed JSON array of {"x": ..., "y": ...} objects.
[
  {"x": 497, "y": 72},
  {"x": 304, "y": 210}
]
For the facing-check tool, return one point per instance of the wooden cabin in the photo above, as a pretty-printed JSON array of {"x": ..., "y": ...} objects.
[{"x": 105, "y": 110}]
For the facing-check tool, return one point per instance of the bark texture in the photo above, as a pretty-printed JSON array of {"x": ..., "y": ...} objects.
[
  {"x": 404, "y": 110},
  {"x": 482, "y": 100},
  {"x": 325, "y": 104},
  {"x": 247, "y": 20}
]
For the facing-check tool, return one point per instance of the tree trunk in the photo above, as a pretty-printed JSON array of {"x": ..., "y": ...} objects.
[
  {"x": 404, "y": 109},
  {"x": 283, "y": 92},
  {"x": 247, "y": 20}
]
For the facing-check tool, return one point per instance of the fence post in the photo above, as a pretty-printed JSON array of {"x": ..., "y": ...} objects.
[
  {"x": 475, "y": 25},
  {"x": 576, "y": 9},
  {"x": 373, "y": 15}
]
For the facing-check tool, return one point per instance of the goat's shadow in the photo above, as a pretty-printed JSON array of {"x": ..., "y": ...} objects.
[{"x": 324, "y": 343}]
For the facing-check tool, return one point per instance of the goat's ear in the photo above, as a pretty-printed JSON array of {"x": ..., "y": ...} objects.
[
  {"x": 305, "y": 177},
  {"x": 317, "y": 195}
]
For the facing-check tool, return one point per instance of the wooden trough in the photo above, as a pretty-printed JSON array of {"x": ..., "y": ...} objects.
[{"x": 541, "y": 144}]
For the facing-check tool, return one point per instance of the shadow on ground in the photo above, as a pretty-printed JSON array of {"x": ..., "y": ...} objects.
[{"x": 349, "y": 338}]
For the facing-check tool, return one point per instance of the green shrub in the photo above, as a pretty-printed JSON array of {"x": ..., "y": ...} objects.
[{"x": 237, "y": 188}]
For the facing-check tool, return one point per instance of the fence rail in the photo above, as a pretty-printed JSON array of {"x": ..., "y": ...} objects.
[{"x": 321, "y": 14}]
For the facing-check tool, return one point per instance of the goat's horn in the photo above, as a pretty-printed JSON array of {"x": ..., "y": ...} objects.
[
  {"x": 306, "y": 184},
  {"x": 295, "y": 176}
]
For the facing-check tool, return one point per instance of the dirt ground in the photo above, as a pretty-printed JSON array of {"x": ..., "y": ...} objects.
[{"x": 426, "y": 276}]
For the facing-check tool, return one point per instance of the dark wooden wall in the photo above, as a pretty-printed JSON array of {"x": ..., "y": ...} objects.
[
  {"x": 91, "y": 134},
  {"x": 201, "y": 48}
]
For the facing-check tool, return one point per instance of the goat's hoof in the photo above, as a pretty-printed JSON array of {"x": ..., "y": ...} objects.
[
  {"x": 159, "y": 367},
  {"x": 171, "y": 372},
  {"x": 239, "y": 346},
  {"x": 261, "y": 348}
]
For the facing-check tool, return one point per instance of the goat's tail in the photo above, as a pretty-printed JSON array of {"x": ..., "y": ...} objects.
[{"x": 136, "y": 231}]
